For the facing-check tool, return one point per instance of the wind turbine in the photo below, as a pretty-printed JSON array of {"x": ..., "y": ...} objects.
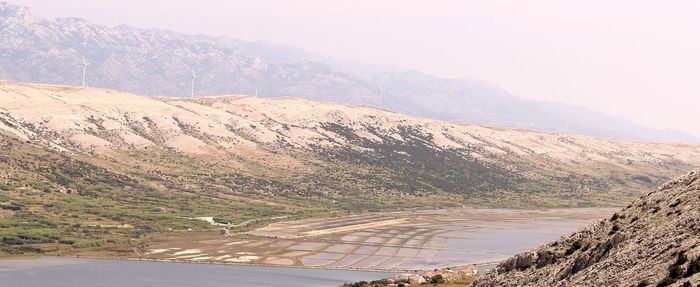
[
  {"x": 382, "y": 80},
  {"x": 193, "y": 78},
  {"x": 84, "y": 65}
]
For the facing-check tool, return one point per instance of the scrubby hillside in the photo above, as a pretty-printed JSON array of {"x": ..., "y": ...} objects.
[
  {"x": 76, "y": 160},
  {"x": 654, "y": 241},
  {"x": 330, "y": 150},
  {"x": 334, "y": 150}
]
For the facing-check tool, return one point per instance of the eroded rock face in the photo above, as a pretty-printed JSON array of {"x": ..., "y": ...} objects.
[
  {"x": 520, "y": 262},
  {"x": 545, "y": 258},
  {"x": 638, "y": 244}
]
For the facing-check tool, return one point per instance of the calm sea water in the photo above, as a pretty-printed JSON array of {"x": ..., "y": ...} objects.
[{"x": 72, "y": 272}]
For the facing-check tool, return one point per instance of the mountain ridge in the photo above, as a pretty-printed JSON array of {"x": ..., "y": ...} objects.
[
  {"x": 274, "y": 132},
  {"x": 159, "y": 62}
]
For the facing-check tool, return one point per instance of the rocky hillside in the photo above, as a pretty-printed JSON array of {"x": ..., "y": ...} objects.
[
  {"x": 93, "y": 167},
  {"x": 333, "y": 150},
  {"x": 652, "y": 242},
  {"x": 156, "y": 62}
]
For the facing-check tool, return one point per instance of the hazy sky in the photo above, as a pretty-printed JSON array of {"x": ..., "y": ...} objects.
[{"x": 636, "y": 59}]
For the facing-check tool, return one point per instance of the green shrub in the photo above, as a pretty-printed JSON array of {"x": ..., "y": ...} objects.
[
  {"x": 28, "y": 238},
  {"x": 586, "y": 246},
  {"x": 12, "y": 240},
  {"x": 221, "y": 220},
  {"x": 12, "y": 206},
  {"x": 666, "y": 282},
  {"x": 66, "y": 241},
  {"x": 676, "y": 272},
  {"x": 575, "y": 246},
  {"x": 615, "y": 228},
  {"x": 693, "y": 267},
  {"x": 89, "y": 243},
  {"x": 614, "y": 217},
  {"x": 681, "y": 259},
  {"x": 437, "y": 279},
  {"x": 23, "y": 249}
]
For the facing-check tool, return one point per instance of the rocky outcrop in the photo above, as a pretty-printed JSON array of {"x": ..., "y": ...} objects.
[{"x": 652, "y": 242}]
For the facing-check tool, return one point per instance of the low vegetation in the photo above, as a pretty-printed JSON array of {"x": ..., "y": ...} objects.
[
  {"x": 81, "y": 182},
  {"x": 678, "y": 271},
  {"x": 56, "y": 204},
  {"x": 437, "y": 280}
]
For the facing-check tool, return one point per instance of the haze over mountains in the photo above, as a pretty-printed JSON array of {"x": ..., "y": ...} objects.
[
  {"x": 156, "y": 62},
  {"x": 132, "y": 166}
]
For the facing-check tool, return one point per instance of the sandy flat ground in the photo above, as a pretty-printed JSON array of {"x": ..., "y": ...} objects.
[{"x": 420, "y": 240}]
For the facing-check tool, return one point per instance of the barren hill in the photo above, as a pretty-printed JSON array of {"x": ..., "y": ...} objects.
[
  {"x": 76, "y": 161},
  {"x": 652, "y": 242},
  {"x": 381, "y": 152},
  {"x": 157, "y": 62}
]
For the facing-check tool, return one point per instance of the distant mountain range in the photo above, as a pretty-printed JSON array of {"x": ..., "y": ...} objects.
[{"x": 158, "y": 62}]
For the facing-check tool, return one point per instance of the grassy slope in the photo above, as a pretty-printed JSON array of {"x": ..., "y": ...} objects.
[{"x": 54, "y": 202}]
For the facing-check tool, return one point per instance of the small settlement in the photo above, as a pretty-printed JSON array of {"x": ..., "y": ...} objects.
[{"x": 437, "y": 276}]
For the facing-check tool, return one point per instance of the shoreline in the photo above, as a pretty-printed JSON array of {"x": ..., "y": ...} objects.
[
  {"x": 39, "y": 257},
  {"x": 428, "y": 222},
  {"x": 432, "y": 222}
]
